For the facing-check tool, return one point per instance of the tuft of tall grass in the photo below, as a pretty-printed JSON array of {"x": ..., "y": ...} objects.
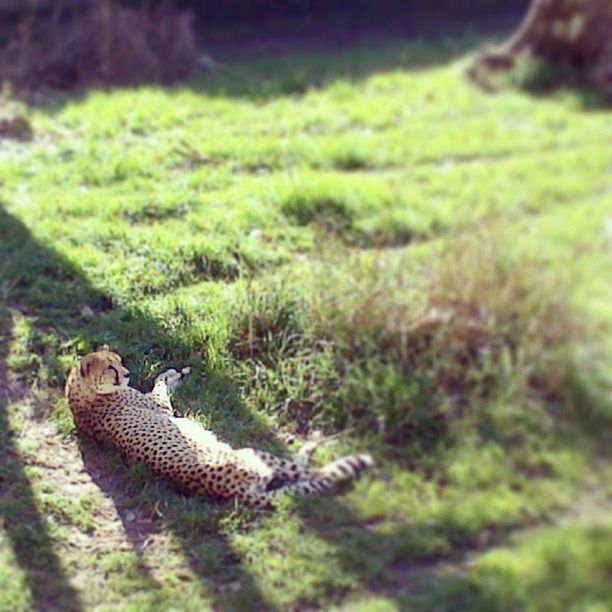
[
  {"x": 466, "y": 314},
  {"x": 410, "y": 342},
  {"x": 266, "y": 322}
]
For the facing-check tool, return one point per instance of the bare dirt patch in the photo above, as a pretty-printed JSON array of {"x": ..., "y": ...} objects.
[{"x": 71, "y": 469}]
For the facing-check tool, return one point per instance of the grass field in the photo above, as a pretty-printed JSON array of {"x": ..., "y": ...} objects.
[{"x": 356, "y": 242}]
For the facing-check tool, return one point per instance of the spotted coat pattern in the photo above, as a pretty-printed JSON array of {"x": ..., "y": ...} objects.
[{"x": 143, "y": 427}]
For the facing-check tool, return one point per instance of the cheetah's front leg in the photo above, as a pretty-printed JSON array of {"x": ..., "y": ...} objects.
[
  {"x": 165, "y": 384},
  {"x": 304, "y": 455}
]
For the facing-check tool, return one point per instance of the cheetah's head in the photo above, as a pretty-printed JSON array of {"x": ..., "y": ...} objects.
[{"x": 103, "y": 371}]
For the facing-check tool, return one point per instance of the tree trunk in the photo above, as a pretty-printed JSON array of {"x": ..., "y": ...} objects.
[{"x": 573, "y": 35}]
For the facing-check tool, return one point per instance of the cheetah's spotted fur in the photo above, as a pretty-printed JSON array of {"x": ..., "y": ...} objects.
[{"x": 143, "y": 427}]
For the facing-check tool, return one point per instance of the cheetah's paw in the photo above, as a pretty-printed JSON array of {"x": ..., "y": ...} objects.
[{"x": 172, "y": 379}]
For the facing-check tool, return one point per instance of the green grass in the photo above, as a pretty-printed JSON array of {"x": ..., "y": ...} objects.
[{"x": 356, "y": 242}]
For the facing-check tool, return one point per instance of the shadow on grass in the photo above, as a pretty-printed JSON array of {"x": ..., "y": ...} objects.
[
  {"x": 25, "y": 528},
  {"x": 296, "y": 73},
  {"x": 269, "y": 72}
]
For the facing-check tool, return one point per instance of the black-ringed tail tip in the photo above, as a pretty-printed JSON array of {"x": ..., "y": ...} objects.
[
  {"x": 347, "y": 467},
  {"x": 326, "y": 478}
]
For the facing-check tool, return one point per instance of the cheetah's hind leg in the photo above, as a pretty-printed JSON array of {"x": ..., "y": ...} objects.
[
  {"x": 165, "y": 384},
  {"x": 306, "y": 452}
]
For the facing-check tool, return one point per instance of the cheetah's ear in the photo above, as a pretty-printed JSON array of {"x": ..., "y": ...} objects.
[{"x": 105, "y": 347}]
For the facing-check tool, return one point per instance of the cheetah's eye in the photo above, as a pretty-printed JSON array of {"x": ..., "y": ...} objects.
[{"x": 114, "y": 369}]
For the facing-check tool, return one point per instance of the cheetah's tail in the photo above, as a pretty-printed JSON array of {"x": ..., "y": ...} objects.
[
  {"x": 325, "y": 478},
  {"x": 321, "y": 481},
  {"x": 346, "y": 467}
]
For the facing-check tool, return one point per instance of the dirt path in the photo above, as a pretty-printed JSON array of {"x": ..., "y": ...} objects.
[{"x": 68, "y": 468}]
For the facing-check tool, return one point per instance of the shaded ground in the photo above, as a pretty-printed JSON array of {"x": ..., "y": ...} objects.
[
  {"x": 78, "y": 471},
  {"x": 276, "y": 38},
  {"x": 299, "y": 45}
]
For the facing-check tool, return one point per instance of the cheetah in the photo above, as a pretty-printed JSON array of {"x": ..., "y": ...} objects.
[{"x": 143, "y": 427}]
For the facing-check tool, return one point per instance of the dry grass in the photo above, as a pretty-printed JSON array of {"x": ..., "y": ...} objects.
[
  {"x": 466, "y": 316},
  {"x": 101, "y": 45}
]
